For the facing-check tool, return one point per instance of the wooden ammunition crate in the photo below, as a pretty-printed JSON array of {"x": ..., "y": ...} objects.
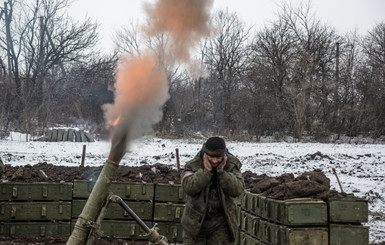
[
  {"x": 348, "y": 234},
  {"x": 169, "y": 193},
  {"x": 36, "y": 229},
  {"x": 114, "y": 211},
  {"x": 126, "y": 190},
  {"x": 348, "y": 210},
  {"x": 121, "y": 229},
  {"x": 172, "y": 231},
  {"x": 168, "y": 212},
  {"x": 298, "y": 212},
  {"x": 13, "y": 191},
  {"x": 35, "y": 211}
]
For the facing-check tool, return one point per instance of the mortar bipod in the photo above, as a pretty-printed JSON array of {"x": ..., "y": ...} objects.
[{"x": 152, "y": 234}]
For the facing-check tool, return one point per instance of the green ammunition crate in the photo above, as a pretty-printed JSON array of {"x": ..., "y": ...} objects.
[
  {"x": 298, "y": 212},
  {"x": 261, "y": 207},
  {"x": 274, "y": 233},
  {"x": 126, "y": 190},
  {"x": 245, "y": 239},
  {"x": 35, "y": 211},
  {"x": 243, "y": 221},
  {"x": 114, "y": 211},
  {"x": 244, "y": 200},
  {"x": 13, "y": 191},
  {"x": 168, "y": 212},
  {"x": 125, "y": 229},
  {"x": 348, "y": 210},
  {"x": 263, "y": 231},
  {"x": 169, "y": 193},
  {"x": 36, "y": 229},
  {"x": 348, "y": 234},
  {"x": 250, "y": 224},
  {"x": 172, "y": 231},
  {"x": 301, "y": 236},
  {"x": 250, "y": 202}
]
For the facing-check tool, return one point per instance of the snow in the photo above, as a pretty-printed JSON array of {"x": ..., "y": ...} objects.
[{"x": 360, "y": 167}]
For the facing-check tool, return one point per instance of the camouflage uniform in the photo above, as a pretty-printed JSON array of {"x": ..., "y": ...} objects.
[
  {"x": 1, "y": 170},
  {"x": 210, "y": 215}
]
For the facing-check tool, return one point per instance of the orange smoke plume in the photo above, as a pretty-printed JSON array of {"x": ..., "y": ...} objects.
[
  {"x": 140, "y": 91},
  {"x": 141, "y": 87},
  {"x": 186, "y": 21}
]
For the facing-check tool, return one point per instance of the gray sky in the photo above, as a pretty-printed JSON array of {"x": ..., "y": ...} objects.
[{"x": 344, "y": 15}]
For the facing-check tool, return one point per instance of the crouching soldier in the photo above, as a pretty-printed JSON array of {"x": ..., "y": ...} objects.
[{"x": 212, "y": 181}]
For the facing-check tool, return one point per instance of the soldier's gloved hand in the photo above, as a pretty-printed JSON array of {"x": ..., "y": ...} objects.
[
  {"x": 222, "y": 165},
  {"x": 207, "y": 163}
]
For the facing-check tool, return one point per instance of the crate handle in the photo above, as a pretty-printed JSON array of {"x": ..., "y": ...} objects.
[
  {"x": 12, "y": 230},
  {"x": 42, "y": 231},
  {"x": 14, "y": 191},
  {"x": 43, "y": 211},
  {"x": 128, "y": 190},
  {"x": 175, "y": 233},
  {"x": 45, "y": 191},
  {"x": 132, "y": 229},
  {"x": 13, "y": 211}
]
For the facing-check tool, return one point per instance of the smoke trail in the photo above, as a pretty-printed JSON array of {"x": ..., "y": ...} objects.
[
  {"x": 141, "y": 87},
  {"x": 186, "y": 21},
  {"x": 140, "y": 91}
]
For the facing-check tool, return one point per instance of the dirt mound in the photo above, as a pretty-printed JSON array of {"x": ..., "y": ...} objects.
[
  {"x": 44, "y": 172},
  {"x": 312, "y": 184}
]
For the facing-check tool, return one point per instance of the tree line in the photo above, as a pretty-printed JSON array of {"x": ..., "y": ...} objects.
[{"x": 295, "y": 76}]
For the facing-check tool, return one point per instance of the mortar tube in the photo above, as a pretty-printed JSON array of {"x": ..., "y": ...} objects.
[
  {"x": 138, "y": 220},
  {"x": 94, "y": 203}
]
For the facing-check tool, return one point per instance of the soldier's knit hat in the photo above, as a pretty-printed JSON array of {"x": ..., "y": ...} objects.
[{"x": 215, "y": 147}]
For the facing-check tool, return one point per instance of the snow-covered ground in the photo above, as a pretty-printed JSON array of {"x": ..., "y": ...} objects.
[{"x": 360, "y": 167}]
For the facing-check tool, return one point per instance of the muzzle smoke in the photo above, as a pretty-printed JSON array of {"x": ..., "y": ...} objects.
[
  {"x": 186, "y": 21},
  {"x": 141, "y": 86},
  {"x": 140, "y": 91}
]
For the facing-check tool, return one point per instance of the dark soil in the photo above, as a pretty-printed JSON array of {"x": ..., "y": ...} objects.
[
  {"x": 44, "y": 172},
  {"x": 312, "y": 184}
]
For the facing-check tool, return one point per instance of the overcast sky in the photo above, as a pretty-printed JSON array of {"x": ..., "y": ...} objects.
[{"x": 344, "y": 15}]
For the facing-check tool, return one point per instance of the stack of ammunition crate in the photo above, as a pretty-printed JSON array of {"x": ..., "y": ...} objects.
[
  {"x": 302, "y": 221},
  {"x": 50, "y": 210},
  {"x": 168, "y": 210},
  {"x": 35, "y": 209},
  {"x": 117, "y": 223}
]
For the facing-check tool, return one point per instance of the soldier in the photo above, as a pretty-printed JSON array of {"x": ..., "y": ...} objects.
[{"x": 212, "y": 181}]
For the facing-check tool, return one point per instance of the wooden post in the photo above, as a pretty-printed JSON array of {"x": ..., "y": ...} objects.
[
  {"x": 83, "y": 156},
  {"x": 177, "y": 158},
  {"x": 338, "y": 180}
]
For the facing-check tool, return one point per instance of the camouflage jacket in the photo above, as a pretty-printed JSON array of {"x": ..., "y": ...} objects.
[{"x": 196, "y": 186}]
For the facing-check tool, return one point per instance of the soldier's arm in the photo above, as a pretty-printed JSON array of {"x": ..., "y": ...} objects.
[
  {"x": 194, "y": 182},
  {"x": 231, "y": 181}
]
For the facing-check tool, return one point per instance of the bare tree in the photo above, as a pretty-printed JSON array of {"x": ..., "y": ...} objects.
[
  {"x": 40, "y": 41},
  {"x": 226, "y": 57},
  {"x": 372, "y": 84},
  {"x": 295, "y": 57}
]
